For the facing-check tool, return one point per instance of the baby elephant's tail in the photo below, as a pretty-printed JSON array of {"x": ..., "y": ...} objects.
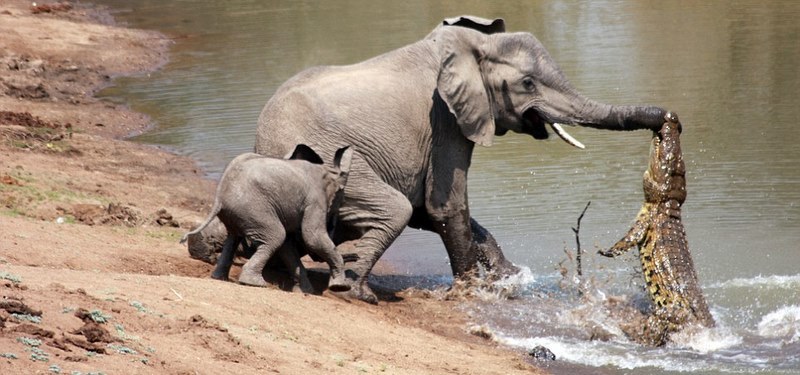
[
  {"x": 186, "y": 236},
  {"x": 214, "y": 211}
]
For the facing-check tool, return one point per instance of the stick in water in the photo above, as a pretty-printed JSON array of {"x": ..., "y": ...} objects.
[{"x": 578, "y": 240}]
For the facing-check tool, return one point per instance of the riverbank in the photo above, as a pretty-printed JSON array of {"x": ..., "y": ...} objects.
[{"x": 90, "y": 222}]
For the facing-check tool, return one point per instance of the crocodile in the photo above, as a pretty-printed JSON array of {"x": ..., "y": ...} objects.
[{"x": 669, "y": 273}]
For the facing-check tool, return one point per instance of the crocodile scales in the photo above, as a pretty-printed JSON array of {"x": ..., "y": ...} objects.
[{"x": 669, "y": 273}]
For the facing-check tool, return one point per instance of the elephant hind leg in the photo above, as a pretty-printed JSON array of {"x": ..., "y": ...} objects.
[
  {"x": 225, "y": 259},
  {"x": 266, "y": 245},
  {"x": 379, "y": 213}
]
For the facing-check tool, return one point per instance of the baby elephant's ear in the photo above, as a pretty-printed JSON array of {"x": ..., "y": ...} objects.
[
  {"x": 303, "y": 152},
  {"x": 343, "y": 158}
]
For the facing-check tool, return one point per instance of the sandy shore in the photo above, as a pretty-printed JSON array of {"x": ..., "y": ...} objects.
[{"x": 89, "y": 225}]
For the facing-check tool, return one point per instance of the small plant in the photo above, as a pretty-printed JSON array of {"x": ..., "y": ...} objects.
[
  {"x": 7, "y": 276},
  {"x": 339, "y": 360},
  {"x": 8, "y": 355},
  {"x": 55, "y": 369},
  {"x": 99, "y": 317},
  {"x": 121, "y": 349},
  {"x": 29, "y": 341},
  {"x": 39, "y": 355},
  {"x": 139, "y": 306},
  {"x": 67, "y": 310},
  {"x": 124, "y": 335},
  {"x": 27, "y": 317}
]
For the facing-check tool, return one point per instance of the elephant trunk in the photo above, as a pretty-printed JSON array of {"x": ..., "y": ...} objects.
[{"x": 604, "y": 116}]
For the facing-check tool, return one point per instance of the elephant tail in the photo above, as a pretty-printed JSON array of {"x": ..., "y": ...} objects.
[{"x": 214, "y": 211}]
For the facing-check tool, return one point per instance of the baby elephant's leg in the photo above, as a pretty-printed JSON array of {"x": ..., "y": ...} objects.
[
  {"x": 317, "y": 240},
  {"x": 291, "y": 258},
  {"x": 266, "y": 245},
  {"x": 225, "y": 259}
]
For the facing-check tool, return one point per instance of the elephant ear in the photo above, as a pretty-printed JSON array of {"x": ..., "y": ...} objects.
[
  {"x": 303, "y": 152},
  {"x": 343, "y": 159},
  {"x": 483, "y": 25},
  {"x": 460, "y": 85}
]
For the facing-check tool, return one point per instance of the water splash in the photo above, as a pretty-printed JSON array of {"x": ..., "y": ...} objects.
[
  {"x": 706, "y": 340},
  {"x": 585, "y": 329},
  {"x": 772, "y": 281},
  {"x": 783, "y": 323}
]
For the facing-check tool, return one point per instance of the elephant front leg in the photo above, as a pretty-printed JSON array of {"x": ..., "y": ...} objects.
[
  {"x": 489, "y": 253},
  {"x": 481, "y": 246},
  {"x": 454, "y": 229},
  {"x": 317, "y": 240},
  {"x": 291, "y": 259},
  {"x": 446, "y": 204},
  {"x": 225, "y": 259}
]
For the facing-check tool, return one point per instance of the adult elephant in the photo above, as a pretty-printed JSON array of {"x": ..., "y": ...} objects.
[{"x": 414, "y": 115}]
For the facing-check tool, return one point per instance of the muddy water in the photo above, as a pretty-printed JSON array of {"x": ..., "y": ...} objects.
[{"x": 728, "y": 68}]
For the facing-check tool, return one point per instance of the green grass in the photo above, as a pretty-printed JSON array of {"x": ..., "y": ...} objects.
[
  {"x": 17, "y": 200},
  {"x": 13, "y": 212},
  {"x": 165, "y": 234}
]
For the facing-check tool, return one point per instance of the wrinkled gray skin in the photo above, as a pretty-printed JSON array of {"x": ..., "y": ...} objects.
[
  {"x": 205, "y": 244},
  {"x": 273, "y": 203},
  {"x": 415, "y": 114}
]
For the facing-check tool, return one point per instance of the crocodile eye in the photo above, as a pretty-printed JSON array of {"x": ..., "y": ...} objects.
[{"x": 528, "y": 84}]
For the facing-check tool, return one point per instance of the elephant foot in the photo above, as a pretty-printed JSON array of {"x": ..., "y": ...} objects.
[
  {"x": 339, "y": 284},
  {"x": 508, "y": 269},
  {"x": 502, "y": 272},
  {"x": 304, "y": 287},
  {"x": 252, "y": 279},
  {"x": 221, "y": 272},
  {"x": 360, "y": 292},
  {"x": 297, "y": 288},
  {"x": 219, "y": 277}
]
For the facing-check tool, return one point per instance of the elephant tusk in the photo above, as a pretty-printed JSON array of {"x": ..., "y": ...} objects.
[{"x": 565, "y": 136}]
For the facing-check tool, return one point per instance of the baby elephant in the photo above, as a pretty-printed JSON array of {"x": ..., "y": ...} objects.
[{"x": 265, "y": 200}]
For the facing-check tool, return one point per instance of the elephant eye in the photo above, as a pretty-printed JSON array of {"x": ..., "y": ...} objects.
[{"x": 528, "y": 84}]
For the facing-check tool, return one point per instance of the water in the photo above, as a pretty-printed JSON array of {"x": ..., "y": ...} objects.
[{"x": 728, "y": 68}]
